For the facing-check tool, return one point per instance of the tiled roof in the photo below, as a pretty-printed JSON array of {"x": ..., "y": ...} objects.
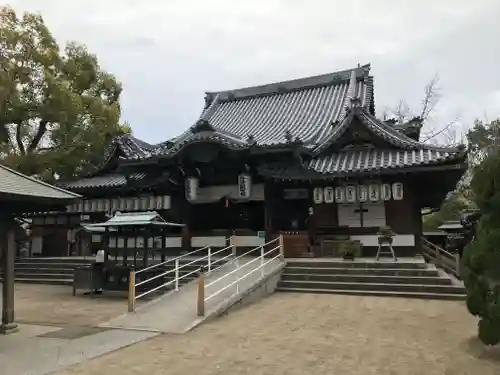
[
  {"x": 14, "y": 183},
  {"x": 271, "y": 114},
  {"x": 106, "y": 181},
  {"x": 133, "y": 148},
  {"x": 374, "y": 160},
  {"x": 368, "y": 161},
  {"x": 133, "y": 219},
  {"x": 377, "y": 127}
]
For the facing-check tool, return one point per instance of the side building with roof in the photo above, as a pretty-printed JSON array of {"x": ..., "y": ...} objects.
[{"x": 306, "y": 157}]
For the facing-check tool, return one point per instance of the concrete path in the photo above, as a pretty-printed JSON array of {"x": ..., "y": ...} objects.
[
  {"x": 40, "y": 350},
  {"x": 176, "y": 312}
]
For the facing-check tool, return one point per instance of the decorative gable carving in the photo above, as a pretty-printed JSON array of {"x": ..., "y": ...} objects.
[{"x": 202, "y": 126}]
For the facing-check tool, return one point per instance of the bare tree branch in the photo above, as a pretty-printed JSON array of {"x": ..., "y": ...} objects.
[
  {"x": 431, "y": 98},
  {"x": 447, "y": 128}
]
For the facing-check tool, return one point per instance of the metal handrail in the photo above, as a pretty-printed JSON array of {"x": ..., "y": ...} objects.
[
  {"x": 133, "y": 285},
  {"x": 240, "y": 267},
  {"x": 202, "y": 299},
  {"x": 173, "y": 259},
  {"x": 240, "y": 278}
]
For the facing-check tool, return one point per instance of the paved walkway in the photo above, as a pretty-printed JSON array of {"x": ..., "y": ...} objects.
[
  {"x": 177, "y": 312},
  {"x": 40, "y": 350}
]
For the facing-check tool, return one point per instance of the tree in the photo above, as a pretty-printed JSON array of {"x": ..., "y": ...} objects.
[
  {"x": 58, "y": 110},
  {"x": 481, "y": 259},
  {"x": 451, "y": 209}
]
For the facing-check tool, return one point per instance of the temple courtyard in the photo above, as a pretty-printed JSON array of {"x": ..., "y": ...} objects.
[{"x": 282, "y": 334}]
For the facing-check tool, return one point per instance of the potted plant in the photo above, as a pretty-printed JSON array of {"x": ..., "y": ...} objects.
[
  {"x": 350, "y": 250},
  {"x": 385, "y": 236}
]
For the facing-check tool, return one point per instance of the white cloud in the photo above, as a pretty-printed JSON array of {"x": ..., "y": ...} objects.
[{"x": 168, "y": 53}]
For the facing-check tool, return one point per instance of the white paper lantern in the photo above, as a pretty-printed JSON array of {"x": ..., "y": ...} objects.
[
  {"x": 385, "y": 192},
  {"x": 362, "y": 193},
  {"x": 374, "y": 193},
  {"x": 318, "y": 195},
  {"x": 328, "y": 194},
  {"x": 397, "y": 191},
  {"x": 339, "y": 194},
  {"x": 192, "y": 184},
  {"x": 350, "y": 194},
  {"x": 244, "y": 186}
]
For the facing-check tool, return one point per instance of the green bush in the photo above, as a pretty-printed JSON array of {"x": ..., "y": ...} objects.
[{"x": 481, "y": 258}]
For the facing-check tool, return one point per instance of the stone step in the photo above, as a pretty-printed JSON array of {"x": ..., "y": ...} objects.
[
  {"x": 362, "y": 271},
  {"x": 66, "y": 265},
  {"x": 412, "y": 288},
  {"x": 363, "y": 264},
  {"x": 79, "y": 260},
  {"x": 42, "y": 281},
  {"x": 420, "y": 295},
  {"x": 65, "y": 271},
  {"x": 415, "y": 280}
]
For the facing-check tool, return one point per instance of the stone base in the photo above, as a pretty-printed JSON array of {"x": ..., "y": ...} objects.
[{"x": 6, "y": 329}]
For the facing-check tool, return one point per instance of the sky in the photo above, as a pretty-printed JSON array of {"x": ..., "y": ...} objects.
[{"x": 168, "y": 53}]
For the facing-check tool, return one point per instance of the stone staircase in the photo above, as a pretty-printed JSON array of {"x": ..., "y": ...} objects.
[
  {"x": 59, "y": 271},
  {"x": 411, "y": 278}
]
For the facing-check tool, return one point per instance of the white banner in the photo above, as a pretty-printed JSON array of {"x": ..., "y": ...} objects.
[
  {"x": 362, "y": 193},
  {"x": 397, "y": 191},
  {"x": 350, "y": 194},
  {"x": 192, "y": 185},
  {"x": 385, "y": 192},
  {"x": 328, "y": 194},
  {"x": 244, "y": 186},
  {"x": 339, "y": 194},
  {"x": 374, "y": 192},
  {"x": 318, "y": 195}
]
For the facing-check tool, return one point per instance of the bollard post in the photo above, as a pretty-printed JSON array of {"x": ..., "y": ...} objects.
[
  {"x": 201, "y": 293},
  {"x": 131, "y": 291},
  {"x": 176, "y": 275}
]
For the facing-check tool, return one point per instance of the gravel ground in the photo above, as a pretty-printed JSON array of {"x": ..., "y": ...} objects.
[
  {"x": 54, "y": 304},
  {"x": 315, "y": 334}
]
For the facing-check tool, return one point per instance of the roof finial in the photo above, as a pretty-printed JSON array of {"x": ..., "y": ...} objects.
[{"x": 353, "y": 90}]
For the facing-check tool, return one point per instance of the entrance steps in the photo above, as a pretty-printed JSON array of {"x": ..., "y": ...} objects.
[
  {"x": 411, "y": 278},
  {"x": 59, "y": 271}
]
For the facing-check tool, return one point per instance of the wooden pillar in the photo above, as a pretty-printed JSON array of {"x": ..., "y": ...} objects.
[
  {"x": 186, "y": 220},
  {"x": 8, "y": 252}
]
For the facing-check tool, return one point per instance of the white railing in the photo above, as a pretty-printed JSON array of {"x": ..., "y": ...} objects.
[
  {"x": 262, "y": 260},
  {"x": 132, "y": 290},
  {"x": 441, "y": 258}
]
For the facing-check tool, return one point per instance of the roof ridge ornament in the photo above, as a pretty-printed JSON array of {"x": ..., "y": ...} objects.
[
  {"x": 251, "y": 140},
  {"x": 201, "y": 126},
  {"x": 288, "y": 136}
]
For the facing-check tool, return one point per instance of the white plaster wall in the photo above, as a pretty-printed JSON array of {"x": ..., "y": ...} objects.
[
  {"x": 217, "y": 241},
  {"x": 247, "y": 241}
]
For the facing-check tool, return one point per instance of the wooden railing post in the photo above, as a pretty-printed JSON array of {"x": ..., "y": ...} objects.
[
  {"x": 262, "y": 261},
  {"x": 176, "y": 275},
  {"x": 131, "y": 291},
  {"x": 438, "y": 255},
  {"x": 201, "y": 293},
  {"x": 282, "y": 250},
  {"x": 457, "y": 264},
  {"x": 209, "y": 259}
]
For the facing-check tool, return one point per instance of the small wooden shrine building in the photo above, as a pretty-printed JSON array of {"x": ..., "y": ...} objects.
[{"x": 306, "y": 157}]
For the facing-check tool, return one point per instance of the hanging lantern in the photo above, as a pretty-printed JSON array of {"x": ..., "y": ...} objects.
[
  {"x": 362, "y": 193},
  {"x": 318, "y": 195},
  {"x": 328, "y": 194},
  {"x": 385, "y": 192},
  {"x": 374, "y": 193},
  {"x": 397, "y": 191},
  {"x": 192, "y": 184},
  {"x": 350, "y": 194},
  {"x": 244, "y": 186},
  {"x": 339, "y": 194}
]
